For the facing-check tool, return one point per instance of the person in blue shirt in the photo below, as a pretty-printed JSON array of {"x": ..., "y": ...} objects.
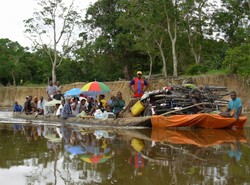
[
  {"x": 234, "y": 107},
  {"x": 17, "y": 107}
]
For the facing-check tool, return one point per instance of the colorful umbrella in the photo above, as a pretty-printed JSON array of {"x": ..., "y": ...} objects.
[
  {"x": 95, "y": 158},
  {"x": 75, "y": 150},
  {"x": 73, "y": 92},
  {"x": 95, "y": 88}
]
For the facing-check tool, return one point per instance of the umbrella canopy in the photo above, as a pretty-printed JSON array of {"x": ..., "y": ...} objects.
[
  {"x": 95, "y": 88},
  {"x": 53, "y": 103},
  {"x": 75, "y": 150},
  {"x": 95, "y": 158},
  {"x": 73, "y": 92}
]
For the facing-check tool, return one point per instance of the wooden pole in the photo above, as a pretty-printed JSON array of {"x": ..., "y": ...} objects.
[{"x": 188, "y": 107}]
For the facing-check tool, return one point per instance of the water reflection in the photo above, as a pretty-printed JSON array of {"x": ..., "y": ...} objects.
[{"x": 66, "y": 154}]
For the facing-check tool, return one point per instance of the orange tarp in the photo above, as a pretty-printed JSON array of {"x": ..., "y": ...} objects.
[
  {"x": 198, "y": 120},
  {"x": 198, "y": 137}
]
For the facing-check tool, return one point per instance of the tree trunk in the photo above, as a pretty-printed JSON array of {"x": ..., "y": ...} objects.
[
  {"x": 151, "y": 64},
  {"x": 172, "y": 36},
  {"x": 54, "y": 72},
  {"x": 13, "y": 78},
  {"x": 164, "y": 68},
  {"x": 126, "y": 72},
  {"x": 175, "y": 61},
  {"x": 173, "y": 42}
]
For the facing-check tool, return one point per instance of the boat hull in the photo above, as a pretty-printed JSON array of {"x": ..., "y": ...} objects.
[
  {"x": 88, "y": 120},
  {"x": 198, "y": 120}
]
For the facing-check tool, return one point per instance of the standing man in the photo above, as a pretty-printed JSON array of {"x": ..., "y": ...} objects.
[
  {"x": 51, "y": 89},
  {"x": 58, "y": 86},
  {"x": 138, "y": 85}
]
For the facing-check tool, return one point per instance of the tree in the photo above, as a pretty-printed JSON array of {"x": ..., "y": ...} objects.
[
  {"x": 10, "y": 61},
  {"x": 196, "y": 18},
  {"x": 52, "y": 29},
  {"x": 238, "y": 60},
  {"x": 232, "y": 21}
]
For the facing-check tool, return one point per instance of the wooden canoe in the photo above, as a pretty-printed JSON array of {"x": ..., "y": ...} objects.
[
  {"x": 198, "y": 120},
  {"x": 88, "y": 120}
]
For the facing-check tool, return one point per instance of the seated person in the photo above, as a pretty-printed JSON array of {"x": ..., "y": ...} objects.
[
  {"x": 58, "y": 95},
  {"x": 75, "y": 106},
  {"x": 27, "y": 105},
  {"x": 234, "y": 107},
  {"x": 17, "y": 107},
  {"x": 111, "y": 100},
  {"x": 59, "y": 110},
  {"x": 102, "y": 102},
  {"x": 41, "y": 106},
  {"x": 196, "y": 99},
  {"x": 34, "y": 104},
  {"x": 83, "y": 105},
  {"x": 66, "y": 111},
  {"x": 90, "y": 102},
  {"x": 118, "y": 104}
]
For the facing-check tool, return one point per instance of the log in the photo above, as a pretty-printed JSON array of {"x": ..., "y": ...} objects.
[{"x": 188, "y": 107}]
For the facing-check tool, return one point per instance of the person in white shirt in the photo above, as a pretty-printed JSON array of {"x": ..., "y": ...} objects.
[
  {"x": 75, "y": 106},
  {"x": 59, "y": 110},
  {"x": 41, "y": 106}
]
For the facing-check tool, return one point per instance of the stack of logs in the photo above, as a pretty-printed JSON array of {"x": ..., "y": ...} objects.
[{"x": 178, "y": 97}]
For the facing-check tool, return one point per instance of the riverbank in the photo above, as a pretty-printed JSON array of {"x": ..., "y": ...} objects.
[{"x": 234, "y": 83}]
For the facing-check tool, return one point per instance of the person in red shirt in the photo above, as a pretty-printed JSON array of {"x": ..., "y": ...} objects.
[{"x": 138, "y": 85}]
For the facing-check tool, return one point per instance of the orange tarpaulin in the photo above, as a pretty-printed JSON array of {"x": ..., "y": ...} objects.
[
  {"x": 198, "y": 120},
  {"x": 198, "y": 137}
]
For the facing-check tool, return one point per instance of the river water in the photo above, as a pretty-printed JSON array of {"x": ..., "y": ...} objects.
[{"x": 44, "y": 153}]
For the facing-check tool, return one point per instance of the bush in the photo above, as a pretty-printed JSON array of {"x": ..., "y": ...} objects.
[
  {"x": 238, "y": 60},
  {"x": 196, "y": 69}
]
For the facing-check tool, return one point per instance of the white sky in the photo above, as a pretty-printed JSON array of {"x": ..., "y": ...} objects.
[{"x": 13, "y": 12}]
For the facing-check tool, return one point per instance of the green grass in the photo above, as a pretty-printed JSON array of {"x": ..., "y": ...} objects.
[{"x": 217, "y": 72}]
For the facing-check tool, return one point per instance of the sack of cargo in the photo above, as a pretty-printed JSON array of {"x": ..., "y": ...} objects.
[{"x": 137, "y": 108}]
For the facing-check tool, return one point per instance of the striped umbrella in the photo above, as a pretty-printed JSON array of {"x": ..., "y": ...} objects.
[
  {"x": 95, "y": 158},
  {"x": 95, "y": 88}
]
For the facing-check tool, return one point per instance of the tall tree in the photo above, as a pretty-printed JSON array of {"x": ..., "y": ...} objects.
[
  {"x": 52, "y": 28},
  {"x": 11, "y": 54},
  {"x": 232, "y": 21},
  {"x": 195, "y": 16}
]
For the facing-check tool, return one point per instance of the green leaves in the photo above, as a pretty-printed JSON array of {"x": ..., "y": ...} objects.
[{"x": 238, "y": 60}]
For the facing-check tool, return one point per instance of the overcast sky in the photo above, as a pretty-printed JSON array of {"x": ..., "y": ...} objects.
[{"x": 13, "y": 12}]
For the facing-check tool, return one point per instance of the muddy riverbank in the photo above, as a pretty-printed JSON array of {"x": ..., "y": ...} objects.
[{"x": 234, "y": 83}]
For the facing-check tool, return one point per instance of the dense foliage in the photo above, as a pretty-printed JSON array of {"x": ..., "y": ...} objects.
[{"x": 118, "y": 37}]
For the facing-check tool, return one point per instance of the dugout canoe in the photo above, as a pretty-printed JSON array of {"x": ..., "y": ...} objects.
[
  {"x": 88, "y": 120},
  {"x": 203, "y": 120}
]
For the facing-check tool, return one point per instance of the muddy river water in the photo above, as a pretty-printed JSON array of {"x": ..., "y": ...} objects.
[{"x": 45, "y": 153}]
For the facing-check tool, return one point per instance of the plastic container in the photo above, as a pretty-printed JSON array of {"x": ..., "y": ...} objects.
[{"x": 137, "y": 108}]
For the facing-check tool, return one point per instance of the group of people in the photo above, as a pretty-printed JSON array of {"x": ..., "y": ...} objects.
[
  {"x": 74, "y": 106},
  {"x": 89, "y": 106},
  {"x": 234, "y": 108}
]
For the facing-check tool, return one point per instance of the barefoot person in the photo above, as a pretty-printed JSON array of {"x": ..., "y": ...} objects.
[{"x": 234, "y": 107}]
